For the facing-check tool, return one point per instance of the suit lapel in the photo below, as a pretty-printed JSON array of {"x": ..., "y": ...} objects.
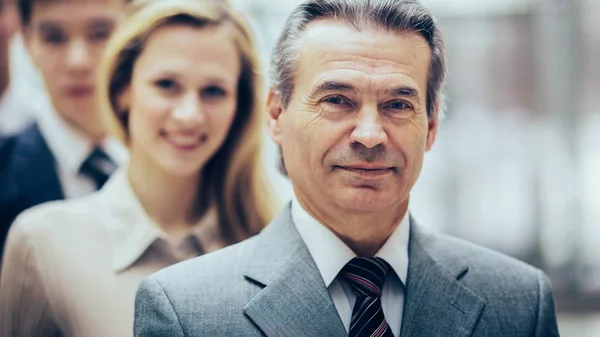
[
  {"x": 436, "y": 303},
  {"x": 294, "y": 300},
  {"x": 36, "y": 167}
]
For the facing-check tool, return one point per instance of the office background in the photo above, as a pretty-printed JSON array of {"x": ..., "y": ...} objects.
[{"x": 516, "y": 166}]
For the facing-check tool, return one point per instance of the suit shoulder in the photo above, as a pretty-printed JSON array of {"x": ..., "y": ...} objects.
[
  {"x": 489, "y": 272},
  {"x": 13, "y": 147},
  {"x": 478, "y": 256}
]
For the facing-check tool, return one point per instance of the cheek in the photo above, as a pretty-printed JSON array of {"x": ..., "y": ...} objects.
[
  {"x": 411, "y": 146},
  {"x": 147, "y": 117},
  {"x": 309, "y": 138},
  {"x": 221, "y": 118},
  {"x": 49, "y": 66},
  {"x": 96, "y": 52}
]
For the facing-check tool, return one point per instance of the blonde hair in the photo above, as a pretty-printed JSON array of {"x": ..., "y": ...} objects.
[{"x": 233, "y": 179}]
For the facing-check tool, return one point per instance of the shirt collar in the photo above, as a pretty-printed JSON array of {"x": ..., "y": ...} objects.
[
  {"x": 132, "y": 229},
  {"x": 331, "y": 254},
  {"x": 70, "y": 146}
]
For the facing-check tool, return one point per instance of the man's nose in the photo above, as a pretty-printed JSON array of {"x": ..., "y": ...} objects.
[
  {"x": 369, "y": 130},
  {"x": 78, "y": 56}
]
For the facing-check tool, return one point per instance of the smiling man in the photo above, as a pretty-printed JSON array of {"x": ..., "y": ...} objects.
[{"x": 354, "y": 107}]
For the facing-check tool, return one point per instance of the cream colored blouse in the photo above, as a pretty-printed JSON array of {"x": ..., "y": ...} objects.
[{"x": 72, "y": 268}]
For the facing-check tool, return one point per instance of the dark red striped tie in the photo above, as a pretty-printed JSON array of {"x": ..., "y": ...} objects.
[{"x": 367, "y": 275}]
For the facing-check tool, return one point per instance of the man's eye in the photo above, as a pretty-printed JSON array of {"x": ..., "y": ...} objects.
[
  {"x": 399, "y": 106},
  {"x": 99, "y": 35},
  {"x": 54, "y": 38},
  {"x": 336, "y": 100}
]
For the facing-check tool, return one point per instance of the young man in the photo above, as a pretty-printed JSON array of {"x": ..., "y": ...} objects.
[{"x": 67, "y": 153}]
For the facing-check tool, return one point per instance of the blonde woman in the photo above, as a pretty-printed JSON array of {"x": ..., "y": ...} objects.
[{"x": 181, "y": 87}]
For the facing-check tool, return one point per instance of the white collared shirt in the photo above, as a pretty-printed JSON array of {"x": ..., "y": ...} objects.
[
  {"x": 331, "y": 254},
  {"x": 70, "y": 149},
  {"x": 75, "y": 265}
]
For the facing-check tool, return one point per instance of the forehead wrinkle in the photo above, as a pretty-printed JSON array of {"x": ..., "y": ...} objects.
[
  {"x": 365, "y": 64},
  {"x": 362, "y": 83}
]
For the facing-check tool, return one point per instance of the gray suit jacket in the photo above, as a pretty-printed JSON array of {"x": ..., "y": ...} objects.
[{"x": 270, "y": 286}]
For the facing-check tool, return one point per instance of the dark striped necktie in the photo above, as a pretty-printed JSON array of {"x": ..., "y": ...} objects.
[
  {"x": 367, "y": 275},
  {"x": 98, "y": 167}
]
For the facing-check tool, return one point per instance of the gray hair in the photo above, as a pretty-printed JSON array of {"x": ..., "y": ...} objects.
[
  {"x": 393, "y": 15},
  {"x": 400, "y": 16}
]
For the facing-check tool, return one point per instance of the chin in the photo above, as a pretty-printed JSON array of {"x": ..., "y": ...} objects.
[
  {"x": 181, "y": 170},
  {"x": 364, "y": 201}
]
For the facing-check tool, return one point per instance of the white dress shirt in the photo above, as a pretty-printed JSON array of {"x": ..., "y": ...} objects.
[
  {"x": 331, "y": 254},
  {"x": 70, "y": 149}
]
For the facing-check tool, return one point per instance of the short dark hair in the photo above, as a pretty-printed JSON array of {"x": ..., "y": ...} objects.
[
  {"x": 26, "y": 9},
  {"x": 392, "y": 15}
]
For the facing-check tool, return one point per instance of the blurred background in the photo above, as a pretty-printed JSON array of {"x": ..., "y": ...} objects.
[{"x": 516, "y": 166}]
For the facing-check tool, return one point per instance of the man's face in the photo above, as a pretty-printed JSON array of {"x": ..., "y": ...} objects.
[
  {"x": 66, "y": 40},
  {"x": 356, "y": 129}
]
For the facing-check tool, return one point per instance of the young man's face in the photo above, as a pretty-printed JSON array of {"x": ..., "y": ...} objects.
[{"x": 66, "y": 40}]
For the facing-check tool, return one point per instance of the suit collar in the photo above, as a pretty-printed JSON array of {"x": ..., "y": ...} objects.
[
  {"x": 71, "y": 147},
  {"x": 35, "y": 168},
  {"x": 434, "y": 293},
  {"x": 294, "y": 297}
]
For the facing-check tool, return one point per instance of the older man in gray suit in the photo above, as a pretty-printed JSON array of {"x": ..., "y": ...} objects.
[{"x": 354, "y": 107}]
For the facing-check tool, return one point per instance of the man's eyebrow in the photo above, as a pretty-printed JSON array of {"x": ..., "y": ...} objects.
[
  {"x": 330, "y": 86},
  {"x": 96, "y": 23},
  {"x": 404, "y": 92},
  {"x": 102, "y": 23},
  {"x": 48, "y": 25}
]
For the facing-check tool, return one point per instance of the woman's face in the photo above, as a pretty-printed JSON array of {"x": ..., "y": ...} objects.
[{"x": 182, "y": 98}]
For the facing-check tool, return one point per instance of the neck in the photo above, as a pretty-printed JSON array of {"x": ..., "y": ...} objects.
[
  {"x": 364, "y": 233},
  {"x": 94, "y": 132},
  {"x": 92, "y": 128},
  {"x": 170, "y": 201}
]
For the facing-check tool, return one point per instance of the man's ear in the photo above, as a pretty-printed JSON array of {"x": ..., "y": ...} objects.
[
  {"x": 274, "y": 111},
  {"x": 432, "y": 127}
]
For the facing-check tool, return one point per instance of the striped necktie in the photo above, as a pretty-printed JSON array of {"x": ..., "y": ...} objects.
[
  {"x": 98, "y": 167},
  {"x": 367, "y": 275}
]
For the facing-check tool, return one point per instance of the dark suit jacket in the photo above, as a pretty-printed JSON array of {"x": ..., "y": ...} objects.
[
  {"x": 269, "y": 285},
  {"x": 28, "y": 176}
]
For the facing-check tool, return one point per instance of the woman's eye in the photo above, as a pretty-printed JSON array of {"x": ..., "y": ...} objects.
[
  {"x": 166, "y": 84},
  {"x": 213, "y": 92}
]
